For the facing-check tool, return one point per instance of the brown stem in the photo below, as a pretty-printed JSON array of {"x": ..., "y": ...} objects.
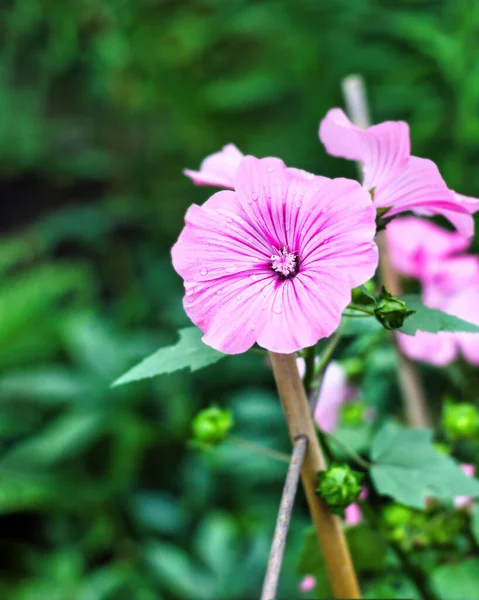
[
  {"x": 328, "y": 526},
  {"x": 414, "y": 401}
]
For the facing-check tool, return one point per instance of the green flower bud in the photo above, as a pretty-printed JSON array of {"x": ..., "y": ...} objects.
[
  {"x": 211, "y": 425},
  {"x": 352, "y": 413},
  {"x": 390, "y": 311},
  {"x": 339, "y": 486},
  {"x": 395, "y": 515},
  {"x": 460, "y": 420}
]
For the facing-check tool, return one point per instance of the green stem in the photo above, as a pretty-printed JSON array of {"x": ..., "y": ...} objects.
[
  {"x": 309, "y": 356},
  {"x": 349, "y": 451},
  {"x": 258, "y": 351},
  {"x": 280, "y": 456},
  {"x": 360, "y": 308},
  {"x": 330, "y": 348}
]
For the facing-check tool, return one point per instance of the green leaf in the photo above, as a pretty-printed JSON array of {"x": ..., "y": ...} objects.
[
  {"x": 431, "y": 319},
  {"x": 189, "y": 352},
  {"x": 409, "y": 469},
  {"x": 456, "y": 582},
  {"x": 475, "y": 522}
]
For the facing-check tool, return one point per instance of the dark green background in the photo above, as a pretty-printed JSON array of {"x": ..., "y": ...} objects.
[{"x": 102, "y": 104}]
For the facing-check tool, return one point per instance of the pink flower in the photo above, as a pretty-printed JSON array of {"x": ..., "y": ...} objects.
[
  {"x": 461, "y": 501},
  {"x": 307, "y": 584},
  {"x": 398, "y": 181},
  {"x": 218, "y": 169},
  {"x": 415, "y": 244},
  {"x": 274, "y": 261},
  {"x": 353, "y": 515}
]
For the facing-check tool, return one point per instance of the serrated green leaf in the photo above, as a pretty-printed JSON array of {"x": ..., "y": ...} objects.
[
  {"x": 431, "y": 319},
  {"x": 456, "y": 582},
  {"x": 408, "y": 468},
  {"x": 189, "y": 352}
]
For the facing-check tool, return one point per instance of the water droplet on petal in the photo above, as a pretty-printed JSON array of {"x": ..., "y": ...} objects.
[
  {"x": 229, "y": 219},
  {"x": 190, "y": 292},
  {"x": 238, "y": 297},
  {"x": 204, "y": 271},
  {"x": 278, "y": 309},
  {"x": 219, "y": 291},
  {"x": 254, "y": 197},
  {"x": 299, "y": 203},
  {"x": 270, "y": 169}
]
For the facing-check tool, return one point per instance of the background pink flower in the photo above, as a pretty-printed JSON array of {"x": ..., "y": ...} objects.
[
  {"x": 462, "y": 501},
  {"x": 275, "y": 261},
  {"x": 399, "y": 181},
  {"x": 307, "y": 584},
  {"x": 450, "y": 283}
]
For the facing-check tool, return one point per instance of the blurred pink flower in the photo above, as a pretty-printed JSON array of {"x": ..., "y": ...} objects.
[
  {"x": 353, "y": 515},
  {"x": 416, "y": 246},
  {"x": 398, "y": 181},
  {"x": 333, "y": 393},
  {"x": 274, "y": 261},
  {"x": 307, "y": 584},
  {"x": 461, "y": 501}
]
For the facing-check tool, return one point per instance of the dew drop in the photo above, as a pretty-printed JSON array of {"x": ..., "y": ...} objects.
[
  {"x": 299, "y": 203},
  {"x": 238, "y": 297},
  {"x": 278, "y": 309},
  {"x": 229, "y": 219},
  {"x": 190, "y": 292},
  {"x": 270, "y": 169},
  {"x": 204, "y": 271},
  {"x": 219, "y": 292},
  {"x": 254, "y": 197}
]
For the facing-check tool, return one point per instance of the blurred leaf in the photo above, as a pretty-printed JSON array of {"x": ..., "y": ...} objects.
[
  {"x": 158, "y": 512},
  {"x": 408, "y": 468},
  {"x": 178, "y": 572},
  {"x": 189, "y": 352},
  {"x": 431, "y": 319},
  {"x": 456, "y": 582}
]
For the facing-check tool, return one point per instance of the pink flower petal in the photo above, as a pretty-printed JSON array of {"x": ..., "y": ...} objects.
[
  {"x": 353, "y": 515},
  {"x": 334, "y": 392},
  {"x": 400, "y": 181},
  {"x": 307, "y": 584},
  {"x": 465, "y": 305},
  {"x": 383, "y": 149},
  {"x": 437, "y": 349},
  {"x": 218, "y": 169},
  {"x": 470, "y": 204},
  {"x": 414, "y": 244}
]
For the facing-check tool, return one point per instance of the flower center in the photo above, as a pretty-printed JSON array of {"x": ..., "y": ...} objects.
[{"x": 284, "y": 263}]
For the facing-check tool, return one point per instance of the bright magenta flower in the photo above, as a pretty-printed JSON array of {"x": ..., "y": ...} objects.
[
  {"x": 398, "y": 181},
  {"x": 274, "y": 261}
]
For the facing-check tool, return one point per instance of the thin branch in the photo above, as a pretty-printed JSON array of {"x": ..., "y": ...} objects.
[
  {"x": 414, "y": 401},
  {"x": 351, "y": 453},
  {"x": 328, "y": 526},
  {"x": 284, "y": 517},
  {"x": 281, "y": 456}
]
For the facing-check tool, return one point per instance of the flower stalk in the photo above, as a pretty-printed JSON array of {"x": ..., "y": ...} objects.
[
  {"x": 415, "y": 405},
  {"x": 328, "y": 526}
]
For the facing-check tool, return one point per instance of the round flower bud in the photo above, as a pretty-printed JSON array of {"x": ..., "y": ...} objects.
[
  {"x": 211, "y": 425},
  {"x": 460, "y": 420},
  {"x": 390, "y": 311},
  {"x": 352, "y": 413},
  {"x": 339, "y": 486},
  {"x": 396, "y": 515}
]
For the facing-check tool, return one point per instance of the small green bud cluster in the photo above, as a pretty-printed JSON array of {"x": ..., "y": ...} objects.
[
  {"x": 339, "y": 486},
  {"x": 211, "y": 425},
  {"x": 410, "y": 528}
]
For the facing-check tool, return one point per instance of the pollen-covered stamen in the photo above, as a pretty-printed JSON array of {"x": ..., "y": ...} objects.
[{"x": 284, "y": 263}]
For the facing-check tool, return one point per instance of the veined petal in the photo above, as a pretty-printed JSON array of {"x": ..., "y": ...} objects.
[
  {"x": 421, "y": 189},
  {"x": 218, "y": 169},
  {"x": 305, "y": 309},
  {"x": 470, "y": 204},
  {"x": 383, "y": 149}
]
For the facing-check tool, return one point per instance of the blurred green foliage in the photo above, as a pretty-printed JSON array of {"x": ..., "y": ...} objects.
[{"x": 102, "y": 103}]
